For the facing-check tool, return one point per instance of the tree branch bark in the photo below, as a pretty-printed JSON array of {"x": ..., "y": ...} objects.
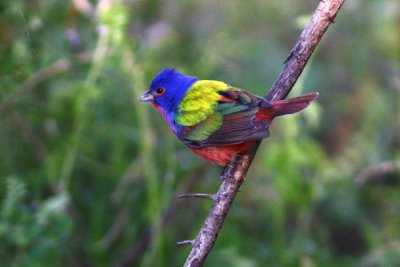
[{"x": 323, "y": 16}]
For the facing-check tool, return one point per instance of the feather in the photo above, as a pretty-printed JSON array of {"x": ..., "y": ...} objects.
[
  {"x": 221, "y": 155},
  {"x": 236, "y": 117},
  {"x": 286, "y": 106},
  {"x": 199, "y": 102},
  {"x": 226, "y": 120},
  {"x": 204, "y": 129}
]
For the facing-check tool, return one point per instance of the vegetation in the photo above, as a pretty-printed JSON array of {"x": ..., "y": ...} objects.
[{"x": 89, "y": 175}]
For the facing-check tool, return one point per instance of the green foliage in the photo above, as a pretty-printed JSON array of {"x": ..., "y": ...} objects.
[
  {"x": 90, "y": 174},
  {"x": 31, "y": 232}
]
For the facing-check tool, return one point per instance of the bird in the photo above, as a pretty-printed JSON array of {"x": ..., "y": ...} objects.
[{"x": 213, "y": 119}]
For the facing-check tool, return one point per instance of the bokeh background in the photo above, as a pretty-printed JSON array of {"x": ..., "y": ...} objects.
[{"x": 89, "y": 175}]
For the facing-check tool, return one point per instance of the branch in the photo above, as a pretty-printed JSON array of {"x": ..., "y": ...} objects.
[
  {"x": 377, "y": 171},
  {"x": 323, "y": 16},
  {"x": 60, "y": 66}
]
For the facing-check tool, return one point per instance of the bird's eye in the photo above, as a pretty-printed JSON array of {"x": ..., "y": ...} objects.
[{"x": 160, "y": 91}]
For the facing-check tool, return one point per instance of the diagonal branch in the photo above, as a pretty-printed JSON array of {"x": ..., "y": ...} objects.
[{"x": 323, "y": 16}]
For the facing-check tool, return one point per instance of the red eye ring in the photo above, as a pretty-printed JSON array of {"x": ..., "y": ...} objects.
[{"x": 160, "y": 91}]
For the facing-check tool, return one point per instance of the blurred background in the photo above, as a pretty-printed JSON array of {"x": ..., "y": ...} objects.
[{"x": 89, "y": 175}]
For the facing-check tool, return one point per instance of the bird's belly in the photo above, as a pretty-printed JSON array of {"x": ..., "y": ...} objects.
[{"x": 221, "y": 155}]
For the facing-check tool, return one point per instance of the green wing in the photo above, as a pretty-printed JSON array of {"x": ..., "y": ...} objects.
[
  {"x": 199, "y": 102},
  {"x": 223, "y": 115}
]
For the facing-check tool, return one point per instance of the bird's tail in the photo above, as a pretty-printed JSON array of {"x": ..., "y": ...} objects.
[{"x": 287, "y": 106}]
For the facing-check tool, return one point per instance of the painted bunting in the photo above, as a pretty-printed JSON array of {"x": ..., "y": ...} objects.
[{"x": 215, "y": 120}]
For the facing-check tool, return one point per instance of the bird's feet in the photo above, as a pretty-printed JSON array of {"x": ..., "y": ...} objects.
[
  {"x": 229, "y": 170},
  {"x": 227, "y": 173}
]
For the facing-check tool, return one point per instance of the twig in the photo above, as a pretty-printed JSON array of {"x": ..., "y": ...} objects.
[
  {"x": 377, "y": 171},
  {"x": 294, "y": 65},
  {"x": 115, "y": 230},
  {"x": 185, "y": 242},
  {"x": 61, "y": 65},
  {"x": 198, "y": 195}
]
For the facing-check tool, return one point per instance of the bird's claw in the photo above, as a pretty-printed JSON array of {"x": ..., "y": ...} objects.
[{"x": 226, "y": 173}]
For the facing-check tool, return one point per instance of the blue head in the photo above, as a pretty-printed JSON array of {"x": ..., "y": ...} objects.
[{"x": 167, "y": 90}]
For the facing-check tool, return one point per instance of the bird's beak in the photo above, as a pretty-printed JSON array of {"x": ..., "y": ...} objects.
[{"x": 146, "y": 97}]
